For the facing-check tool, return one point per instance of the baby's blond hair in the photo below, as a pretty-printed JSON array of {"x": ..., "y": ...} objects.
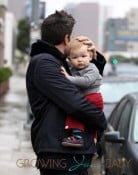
[{"x": 74, "y": 44}]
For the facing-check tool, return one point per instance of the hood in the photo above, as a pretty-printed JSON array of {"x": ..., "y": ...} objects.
[{"x": 41, "y": 46}]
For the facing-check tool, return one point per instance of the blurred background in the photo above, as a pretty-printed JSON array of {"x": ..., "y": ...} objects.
[{"x": 111, "y": 25}]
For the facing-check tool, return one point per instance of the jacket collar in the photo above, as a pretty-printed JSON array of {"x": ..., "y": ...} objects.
[
  {"x": 41, "y": 46},
  {"x": 44, "y": 47}
]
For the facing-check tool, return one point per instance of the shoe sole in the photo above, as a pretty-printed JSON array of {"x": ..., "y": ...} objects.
[{"x": 72, "y": 145}]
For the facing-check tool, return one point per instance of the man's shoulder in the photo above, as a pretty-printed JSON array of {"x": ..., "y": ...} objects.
[{"x": 44, "y": 57}]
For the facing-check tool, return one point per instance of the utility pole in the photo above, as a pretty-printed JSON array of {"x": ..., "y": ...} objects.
[
  {"x": 35, "y": 12},
  {"x": 35, "y": 26}
]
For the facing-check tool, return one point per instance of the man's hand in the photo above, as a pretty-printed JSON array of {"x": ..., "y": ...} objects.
[{"x": 87, "y": 41}]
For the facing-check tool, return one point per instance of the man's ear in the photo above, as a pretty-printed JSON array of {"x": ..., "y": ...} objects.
[{"x": 66, "y": 39}]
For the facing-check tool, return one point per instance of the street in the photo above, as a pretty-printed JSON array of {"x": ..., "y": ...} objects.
[{"x": 17, "y": 156}]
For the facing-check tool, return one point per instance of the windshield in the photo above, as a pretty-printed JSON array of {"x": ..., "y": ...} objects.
[
  {"x": 112, "y": 92},
  {"x": 136, "y": 127}
]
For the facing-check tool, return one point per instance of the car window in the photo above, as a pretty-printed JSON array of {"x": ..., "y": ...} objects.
[
  {"x": 123, "y": 124},
  {"x": 115, "y": 115},
  {"x": 136, "y": 127}
]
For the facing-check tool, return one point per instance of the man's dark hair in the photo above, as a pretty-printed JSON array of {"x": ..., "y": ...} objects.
[{"x": 56, "y": 26}]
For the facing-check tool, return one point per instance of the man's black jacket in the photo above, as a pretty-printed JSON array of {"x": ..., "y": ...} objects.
[{"x": 52, "y": 97}]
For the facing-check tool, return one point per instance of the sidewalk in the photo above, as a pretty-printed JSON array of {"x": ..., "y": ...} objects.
[{"x": 16, "y": 154}]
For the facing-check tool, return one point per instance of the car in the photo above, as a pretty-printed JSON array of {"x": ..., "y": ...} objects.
[
  {"x": 114, "y": 87},
  {"x": 120, "y": 140}
]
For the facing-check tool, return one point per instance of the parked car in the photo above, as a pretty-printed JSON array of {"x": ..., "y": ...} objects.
[
  {"x": 120, "y": 141},
  {"x": 115, "y": 87}
]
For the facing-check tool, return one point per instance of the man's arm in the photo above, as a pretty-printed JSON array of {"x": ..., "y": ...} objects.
[
  {"x": 100, "y": 62},
  {"x": 52, "y": 84}
]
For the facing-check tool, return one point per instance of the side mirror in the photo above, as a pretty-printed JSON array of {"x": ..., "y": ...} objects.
[{"x": 113, "y": 136}]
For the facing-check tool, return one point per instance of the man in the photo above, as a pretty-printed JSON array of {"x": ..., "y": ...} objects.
[{"x": 52, "y": 97}]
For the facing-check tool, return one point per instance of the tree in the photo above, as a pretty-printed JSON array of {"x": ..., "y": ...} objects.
[{"x": 23, "y": 37}]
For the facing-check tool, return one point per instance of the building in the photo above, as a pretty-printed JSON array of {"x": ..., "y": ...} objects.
[
  {"x": 132, "y": 33},
  {"x": 2, "y": 31},
  {"x": 132, "y": 16},
  {"x": 112, "y": 40},
  {"x": 121, "y": 34},
  {"x": 10, "y": 39},
  {"x": 7, "y": 35},
  {"x": 17, "y": 8},
  {"x": 90, "y": 19}
]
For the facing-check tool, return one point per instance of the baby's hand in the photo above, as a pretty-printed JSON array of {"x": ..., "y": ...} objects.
[{"x": 63, "y": 71}]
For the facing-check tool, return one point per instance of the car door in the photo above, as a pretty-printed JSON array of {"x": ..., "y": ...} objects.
[
  {"x": 109, "y": 152},
  {"x": 123, "y": 127},
  {"x": 119, "y": 121}
]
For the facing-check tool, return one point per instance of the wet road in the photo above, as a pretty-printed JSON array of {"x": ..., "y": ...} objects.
[{"x": 16, "y": 154}]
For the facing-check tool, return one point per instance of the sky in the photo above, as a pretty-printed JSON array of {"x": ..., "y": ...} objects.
[{"x": 118, "y": 7}]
